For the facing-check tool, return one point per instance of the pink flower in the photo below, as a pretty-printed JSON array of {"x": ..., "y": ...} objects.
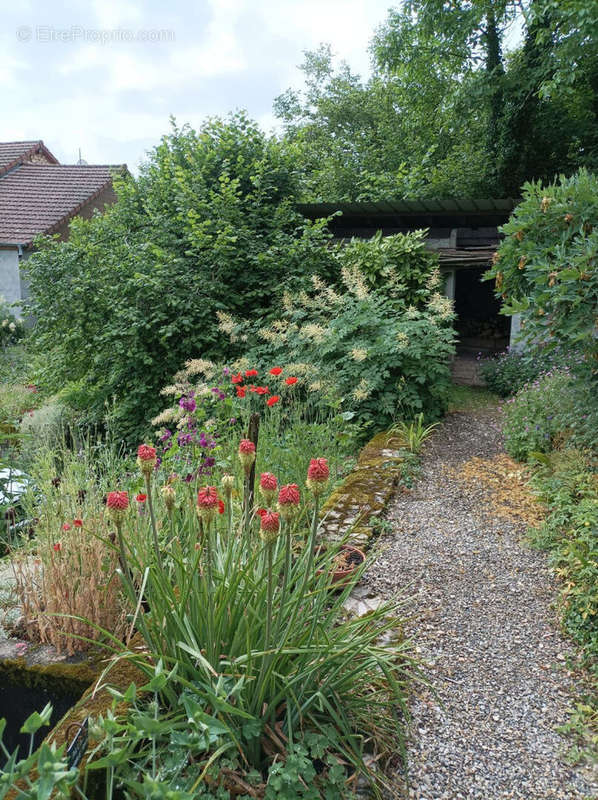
[
  {"x": 146, "y": 458},
  {"x": 246, "y": 454},
  {"x": 117, "y": 504},
  {"x": 268, "y": 486},
  {"x": 288, "y": 500},
  {"x": 269, "y": 526},
  {"x": 207, "y": 502},
  {"x": 66, "y": 527},
  {"x": 118, "y": 501},
  {"x": 318, "y": 474}
]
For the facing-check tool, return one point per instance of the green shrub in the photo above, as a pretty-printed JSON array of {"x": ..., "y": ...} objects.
[
  {"x": 568, "y": 483},
  {"x": 554, "y": 410},
  {"x": 546, "y": 265},
  {"x": 369, "y": 352},
  {"x": 208, "y": 225},
  {"x": 507, "y": 372}
]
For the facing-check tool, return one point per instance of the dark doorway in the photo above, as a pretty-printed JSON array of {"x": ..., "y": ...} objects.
[{"x": 480, "y": 326}]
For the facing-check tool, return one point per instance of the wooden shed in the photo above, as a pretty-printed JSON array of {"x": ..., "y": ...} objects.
[{"x": 464, "y": 233}]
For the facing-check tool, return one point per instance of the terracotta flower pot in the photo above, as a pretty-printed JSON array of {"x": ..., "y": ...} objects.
[{"x": 348, "y": 560}]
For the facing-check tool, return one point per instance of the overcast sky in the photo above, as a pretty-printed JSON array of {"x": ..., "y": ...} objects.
[{"x": 84, "y": 75}]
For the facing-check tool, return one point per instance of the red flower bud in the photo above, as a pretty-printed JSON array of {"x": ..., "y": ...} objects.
[
  {"x": 288, "y": 500},
  {"x": 268, "y": 486},
  {"x": 269, "y": 526},
  {"x": 318, "y": 474}
]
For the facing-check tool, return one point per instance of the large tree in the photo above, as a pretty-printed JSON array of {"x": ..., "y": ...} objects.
[{"x": 450, "y": 109}]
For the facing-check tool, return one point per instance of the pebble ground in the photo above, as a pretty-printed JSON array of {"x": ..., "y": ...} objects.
[{"x": 481, "y": 618}]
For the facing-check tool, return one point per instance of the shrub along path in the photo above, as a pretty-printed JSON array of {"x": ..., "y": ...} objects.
[{"x": 481, "y": 618}]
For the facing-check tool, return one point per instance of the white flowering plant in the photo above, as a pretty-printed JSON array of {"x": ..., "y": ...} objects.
[
  {"x": 12, "y": 328},
  {"x": 379, "y": 352}
]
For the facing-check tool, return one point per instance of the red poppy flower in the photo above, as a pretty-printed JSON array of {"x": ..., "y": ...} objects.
[
  {"x": 275, "y": 370},
  {"x": 240, "y": 391},
  {"x": 250, "y": 373},
  {"x": 261, "y": 511},
  {"x": 57, "y": 546},
  {"x": 141, "y": 498},
  {"x": 221, "y": 507},
  {"x": 262, "y": 390},
  {"x": 78, "y": 523},
  {"x": 271, "y": 401},
  {"x": 66, "y": 527},
  {"x": 238, "y": 378},
  {"x": 290, "y": 381}
]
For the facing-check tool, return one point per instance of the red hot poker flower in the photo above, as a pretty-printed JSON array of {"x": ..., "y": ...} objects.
[
  {"x": 269, "y": 526},
  {"x": 207, "y": 502},
  {"x": 275, "y": 371},
  {"x": 288, "y": 500},
  {"x": 318, "y": 474},
  {"x": 246, "y": 453},
  {"x": 117, "y": 504},
  {"x": 146, "y": 458},
  {"x": 290, "y": 381},
  {"x": 268, "y": 486},
  {"x": 271, "y": 401},
  {"x": 268, "y": 481},
  {"x": 261, "y": 511}
]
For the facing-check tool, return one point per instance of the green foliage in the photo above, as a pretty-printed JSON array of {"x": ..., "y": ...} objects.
[
  {"x": 567, "y": 481},
  {"x": 546, "y": 265},
  {"x": 412, "y": 435},
  {"x": 208, "y": 225},
  {"x": 151, "y": 752},
  {"x": 378, "y": 353},
  {"x": 53, "y": 777},
  {"x": 450, "y": 108},
  {"x": 507, "y": 372},
  {"x": 552, "y": 410}
]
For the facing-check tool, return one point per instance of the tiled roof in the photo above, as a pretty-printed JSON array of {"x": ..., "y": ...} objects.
[
  {"x": 14, "y": 153},
  {"x": 38, "y": 198}
]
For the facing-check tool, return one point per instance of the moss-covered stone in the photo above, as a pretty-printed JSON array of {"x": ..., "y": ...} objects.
[{"x": 365, "y": 493}]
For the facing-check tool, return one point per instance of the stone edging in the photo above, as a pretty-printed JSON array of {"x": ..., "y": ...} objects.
[{"x": 354, "y": 506}]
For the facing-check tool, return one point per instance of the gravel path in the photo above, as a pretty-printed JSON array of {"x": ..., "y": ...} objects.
[{"x": 481, "y": 618}]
